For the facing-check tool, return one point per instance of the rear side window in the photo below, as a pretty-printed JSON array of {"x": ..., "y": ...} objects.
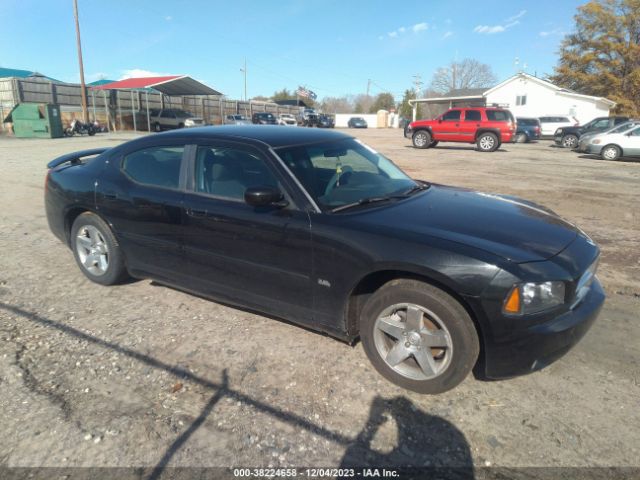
[
  {"x": 498, "y": 116},
  {"x": 155, "y": 166},
  {"x": 452, "y": 115},
  {"x": 527, "y": 122},
  {"x": 472, "y": 116}
]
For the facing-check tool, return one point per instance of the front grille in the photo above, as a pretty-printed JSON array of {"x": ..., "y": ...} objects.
[{"x": 584, "y": 283}]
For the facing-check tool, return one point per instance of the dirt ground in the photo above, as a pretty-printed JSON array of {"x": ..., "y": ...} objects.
[{"x": 144, "y": 375}]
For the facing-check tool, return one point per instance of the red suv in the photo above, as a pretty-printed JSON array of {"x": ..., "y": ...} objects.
[{"x": 487, "y": 127}]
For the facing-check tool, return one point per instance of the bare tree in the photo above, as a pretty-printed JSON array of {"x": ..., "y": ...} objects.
[
  {"x": 468, "y": 73},
  {"x": 337, "y": 105}
]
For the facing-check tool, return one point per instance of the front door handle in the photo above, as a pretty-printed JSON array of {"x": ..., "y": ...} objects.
[{"x": 194, "y": 212}]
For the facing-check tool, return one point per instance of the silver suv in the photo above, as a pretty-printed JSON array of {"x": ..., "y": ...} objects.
[{"x": 170, "y": 118}]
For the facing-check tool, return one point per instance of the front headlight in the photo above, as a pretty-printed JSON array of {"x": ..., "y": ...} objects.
[
  {"x": 526, "y": 298},
  {"x": 559, "y": 131},
  {"x": 189, "y": 123}
]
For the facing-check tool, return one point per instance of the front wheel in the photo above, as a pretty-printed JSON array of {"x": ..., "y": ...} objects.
[
  {"x": 421, "y": 139},
  {"x": 96, "y": 250},
  {"x": 611, "y": 152},
  {"x": 487, "y": 142},
  {"x": 570, "y": 141},
  {"x": 418, "y": 337}
]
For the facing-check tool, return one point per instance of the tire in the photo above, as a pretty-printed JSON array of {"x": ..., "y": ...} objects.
[
  {"x": 91, "y": 132},
  {"x": 181, "y": 125},
  {"x": 487, "y": 142},
  {"x": 421, "y": 139},
  {"x": 99, "y": 248},
  {"x": 431, "y": 310},
  {"x": 522, "y": 138},
  {"x": 570, "y": 141},
  {"x": 433, "y": 144},
  {"x": 157, "y": 127},
  {"x": 611, "y": 152}
]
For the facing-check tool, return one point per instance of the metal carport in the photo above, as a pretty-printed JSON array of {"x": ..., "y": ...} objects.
[{"x": 171, "y": 85}]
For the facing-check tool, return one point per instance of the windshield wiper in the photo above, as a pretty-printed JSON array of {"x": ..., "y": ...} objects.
[
  {"x": 418, "y": 187},
  {"x": 365, "y": 201}
]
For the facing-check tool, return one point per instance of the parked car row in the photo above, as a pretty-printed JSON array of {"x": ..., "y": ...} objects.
[{"x": 623, "y": 140}]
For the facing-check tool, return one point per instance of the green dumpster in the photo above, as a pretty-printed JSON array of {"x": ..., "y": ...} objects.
[{"x": 36, "y": 120}]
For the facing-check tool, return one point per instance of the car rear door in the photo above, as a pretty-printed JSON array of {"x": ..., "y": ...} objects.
[
  {"x": 257, "y": 257},
  {"x": 140, "y": 195},
  {"x": 470, "y": 124},
  {"x": 631, "y": 145}
]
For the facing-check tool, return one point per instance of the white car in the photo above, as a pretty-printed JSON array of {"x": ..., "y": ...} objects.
[
  {"x": 550, "y": 123},
  {"x": 612, "y": 146},
  {"x": 287, "y": 119},
  {"x": 586, "y": 138},
  {"x": 236, "y": 120}
]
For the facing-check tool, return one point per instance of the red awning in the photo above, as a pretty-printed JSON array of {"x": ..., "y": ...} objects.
[{"x": 171, "y": 85}]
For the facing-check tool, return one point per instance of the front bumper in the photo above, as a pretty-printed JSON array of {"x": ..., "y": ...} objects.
[
  {"x": 593, "y": 149},
  {"x": 558, "y": 140},
  {"x": 540, "y": 345}
]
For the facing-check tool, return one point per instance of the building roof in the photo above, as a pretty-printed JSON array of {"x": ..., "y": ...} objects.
[
  {"x": 97, "y": 83},
  {"x": 169, "y": 85},
  {"x": 465, "y": 92},
  {"x": 291, "y": 103},
  {"x": 18, "y": 73},
  {"x": 479, "y": 93}
]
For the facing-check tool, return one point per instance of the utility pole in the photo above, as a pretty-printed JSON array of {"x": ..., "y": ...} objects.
[
  {"x": 368, "y": 87},
  {"x": 417, "y": 86},
  {"x": 83, "y": 88},
  {"x": 244, "y": 71}
]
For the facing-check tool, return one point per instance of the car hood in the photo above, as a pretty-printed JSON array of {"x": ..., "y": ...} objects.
[{"x": 510, "y": 227}]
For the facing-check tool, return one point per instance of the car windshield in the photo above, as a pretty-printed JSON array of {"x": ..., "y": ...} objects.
[{"x": 343, "y": 172}]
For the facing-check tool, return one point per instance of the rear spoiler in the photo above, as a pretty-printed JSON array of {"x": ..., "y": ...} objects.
[{"x": 75, "y": 157}]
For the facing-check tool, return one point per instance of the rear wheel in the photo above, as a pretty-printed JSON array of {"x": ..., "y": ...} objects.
[
  {"x": 611, "y": 152},
  {"x": 570, "y": 141},
  {"x": 487, "y": 142},
  {"x": 96, "y": 250},
  {"x": 418, "y": 337},
  {"x": 522, "y": 138},
  {"x": 421, "y": 139}
]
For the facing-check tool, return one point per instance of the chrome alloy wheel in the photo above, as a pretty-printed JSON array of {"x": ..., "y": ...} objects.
[
  {"x": 487, "y": 142},
  {"x": 92, "y": 250},
  {"x": 420, "y": 139},
  {"x": 413, "y": 341}
]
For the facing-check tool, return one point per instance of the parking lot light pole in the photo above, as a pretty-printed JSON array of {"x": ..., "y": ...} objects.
[
  {"x": 83, "y": 88},
  {"x": 244, "y": 71}
]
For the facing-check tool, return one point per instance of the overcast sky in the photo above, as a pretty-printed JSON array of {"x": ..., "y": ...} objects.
[{"x": 331, "y": 46}]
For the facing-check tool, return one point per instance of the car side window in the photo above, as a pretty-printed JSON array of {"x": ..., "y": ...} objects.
[
  {"x": 167, "y": 114},
  {"x": 635, "y": 133},
  {"x": 155, "y": 166},
  {"x": 453, "y": 115},
  {"x": 604, "y": 123},
  {"x": 472, "y": 116},
  {"x": 497, "y": 116},
  {"x": 228, "y": 171}
]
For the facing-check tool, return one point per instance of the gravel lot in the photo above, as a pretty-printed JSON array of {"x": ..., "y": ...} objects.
[{"x": 144, "y": 375}]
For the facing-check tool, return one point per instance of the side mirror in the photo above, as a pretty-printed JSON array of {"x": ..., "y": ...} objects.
[{"x": 264, "y": 196}]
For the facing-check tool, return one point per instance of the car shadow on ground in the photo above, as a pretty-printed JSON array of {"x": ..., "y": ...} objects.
[{"x": 423, "y": 440}]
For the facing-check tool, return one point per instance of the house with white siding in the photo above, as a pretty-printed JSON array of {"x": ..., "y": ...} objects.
[{"x": 526, "y": 96}]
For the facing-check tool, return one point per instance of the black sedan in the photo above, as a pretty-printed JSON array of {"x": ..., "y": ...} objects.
[
  {"x": 315, "y": 227},
  {"x": 357, "y": 122}
]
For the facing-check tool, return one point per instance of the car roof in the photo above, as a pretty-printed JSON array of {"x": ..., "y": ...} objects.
[{"x": 273, "y": 135}]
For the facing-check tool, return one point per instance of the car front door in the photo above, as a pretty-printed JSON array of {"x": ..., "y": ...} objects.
[
  {"x": 258, "y": 257},
  {"x": 140, "y": 195},
  {"x": 448, "y": 126}
]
